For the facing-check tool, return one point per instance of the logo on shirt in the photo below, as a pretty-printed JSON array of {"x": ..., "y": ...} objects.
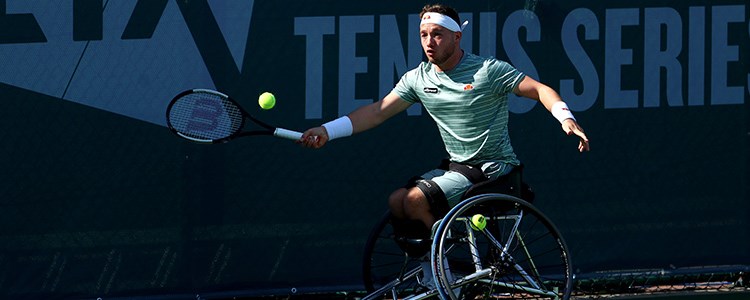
[
  {"x": 468, "y": 87},
  {"x": 430, "y": 90}
]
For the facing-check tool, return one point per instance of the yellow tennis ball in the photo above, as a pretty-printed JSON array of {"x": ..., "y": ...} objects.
[
  {"x": 478, "y": 222},
  {"x": 266, "y": 100}
]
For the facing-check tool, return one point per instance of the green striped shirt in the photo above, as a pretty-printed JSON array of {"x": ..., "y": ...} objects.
[{"x": 469, "y": 104}]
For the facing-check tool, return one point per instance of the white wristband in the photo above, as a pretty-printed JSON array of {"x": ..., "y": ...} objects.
[
  {"x": 561, "y": 112},
  {"x": 338, "y": 128}
]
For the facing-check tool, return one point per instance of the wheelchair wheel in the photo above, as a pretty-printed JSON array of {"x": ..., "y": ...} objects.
[
  {"x": 385, "y": 266},
  {"x": 519, "y": 253}
]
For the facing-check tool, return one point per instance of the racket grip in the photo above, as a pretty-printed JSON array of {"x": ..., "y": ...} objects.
[{"x": 287, "y": 134}]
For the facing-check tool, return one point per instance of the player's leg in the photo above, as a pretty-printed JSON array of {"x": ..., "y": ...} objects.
[
  {"x": 416, "y": 206},
  {"x": 395, "y": 203},
  {"x": 410, "y": 231},
  {"x": 386, "y": 267},
  {"x": 412, "y": 216},
  {"x": 428, "y": 198}
]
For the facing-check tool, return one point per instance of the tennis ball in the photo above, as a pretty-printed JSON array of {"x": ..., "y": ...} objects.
[
  {"x": 266, "y": 100},
  {"x": 478, "y": 222}
]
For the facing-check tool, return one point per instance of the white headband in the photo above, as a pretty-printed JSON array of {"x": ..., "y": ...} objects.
[{"x": 442, "y": 20}]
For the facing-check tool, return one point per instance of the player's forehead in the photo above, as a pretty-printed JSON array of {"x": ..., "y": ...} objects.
[{"x": 430, "y": 28}]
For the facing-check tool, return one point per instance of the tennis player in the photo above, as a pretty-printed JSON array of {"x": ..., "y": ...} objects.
[{"x": 467, "y": 96}]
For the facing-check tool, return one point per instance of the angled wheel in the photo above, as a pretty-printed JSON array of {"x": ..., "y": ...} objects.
[{"x": 518, "y": 254}]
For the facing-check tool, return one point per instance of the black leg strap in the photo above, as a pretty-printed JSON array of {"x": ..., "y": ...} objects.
[{"x": 435, "y": 197}]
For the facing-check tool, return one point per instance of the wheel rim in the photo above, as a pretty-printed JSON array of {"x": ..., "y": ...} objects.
[{"x": 535, "y": 262}]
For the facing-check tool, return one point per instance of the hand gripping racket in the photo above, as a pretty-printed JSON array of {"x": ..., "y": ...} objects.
[{"x": 210, "y": 117}]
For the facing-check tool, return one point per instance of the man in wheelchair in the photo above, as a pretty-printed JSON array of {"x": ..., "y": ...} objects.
[
  {"x": 414, "y": 239},
  {"x": 467, "y": 96}
]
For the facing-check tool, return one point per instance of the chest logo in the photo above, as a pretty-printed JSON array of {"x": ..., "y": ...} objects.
[
  {"x": 430, "y": 90},
  {"x": 468, "y": 87}
]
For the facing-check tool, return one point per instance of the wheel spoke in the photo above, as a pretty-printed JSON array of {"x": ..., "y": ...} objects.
[{"x": 519, "y": 252}]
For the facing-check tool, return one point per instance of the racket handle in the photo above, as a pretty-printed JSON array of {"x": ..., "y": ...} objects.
[{"x": 287, "y": 134}]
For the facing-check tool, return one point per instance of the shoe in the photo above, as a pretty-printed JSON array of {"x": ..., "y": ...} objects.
[{"x": 428, "y": 280}]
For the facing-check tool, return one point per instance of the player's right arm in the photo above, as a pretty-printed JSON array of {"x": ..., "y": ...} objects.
[
  {"x": 374, "y": 114},
  {"x": 363, "y": 118}
]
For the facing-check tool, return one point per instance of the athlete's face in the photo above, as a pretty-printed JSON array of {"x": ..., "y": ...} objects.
[{"x": 438, "y": 43}]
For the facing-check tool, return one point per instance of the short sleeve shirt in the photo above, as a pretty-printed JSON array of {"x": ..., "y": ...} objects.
[{"x": 469, "y": 104}]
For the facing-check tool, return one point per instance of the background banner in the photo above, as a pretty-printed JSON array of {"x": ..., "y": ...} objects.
[{"x": 99, "y": 199}]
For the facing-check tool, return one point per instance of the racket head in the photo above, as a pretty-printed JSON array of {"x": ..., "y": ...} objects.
[{"x": 205, "y": 116}]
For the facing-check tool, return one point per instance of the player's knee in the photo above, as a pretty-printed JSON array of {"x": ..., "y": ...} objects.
[
  {"x": 396, "y": 203},
  {"x": 415, "y": 201},
  {"x": 397, "y": 207}
]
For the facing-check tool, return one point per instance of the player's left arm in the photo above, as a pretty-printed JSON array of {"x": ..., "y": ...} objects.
[{"x": 551, "y": 100}]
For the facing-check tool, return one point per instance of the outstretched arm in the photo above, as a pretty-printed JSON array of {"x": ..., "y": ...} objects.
[
  {"x": 361, "y": 119},
  {"x": 551, "y": 100}
]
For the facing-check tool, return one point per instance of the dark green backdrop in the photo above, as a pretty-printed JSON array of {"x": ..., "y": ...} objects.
[{"x": 98, "y": 199}]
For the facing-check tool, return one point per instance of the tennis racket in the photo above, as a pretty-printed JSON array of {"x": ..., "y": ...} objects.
[{"x": 210, "y": 117}]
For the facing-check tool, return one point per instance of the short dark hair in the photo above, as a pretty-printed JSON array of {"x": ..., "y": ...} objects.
[{"x": 441, "y": 9}]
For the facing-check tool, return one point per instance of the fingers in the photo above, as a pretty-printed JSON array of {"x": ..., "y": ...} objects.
[
  {"x": 313, "y": 138},
  {"x": 571, "y": 127},
  {"x": 583, "y": 143},
  {"x": 583, "y": 146},
  {"x": 310, "y": 141}
]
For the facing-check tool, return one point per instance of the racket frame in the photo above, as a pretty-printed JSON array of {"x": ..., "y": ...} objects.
[{"x": 267, "y": 129}]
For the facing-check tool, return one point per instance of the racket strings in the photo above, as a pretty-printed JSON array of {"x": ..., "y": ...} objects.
[{"x": 205, "y": 116}]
